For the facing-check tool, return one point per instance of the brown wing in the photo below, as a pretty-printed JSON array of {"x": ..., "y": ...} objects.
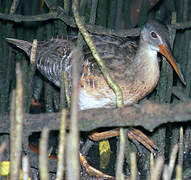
[
  {"x": 117, "y": 54},
  {"x": 52, "y": 56}
]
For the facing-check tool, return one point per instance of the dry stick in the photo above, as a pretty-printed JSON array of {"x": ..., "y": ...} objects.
[
  {"x": 61, "y": 146},
  {"x": 96, "y": 55},
  {"x": 133, "y": 168},
  {"x": 66, "y": 88},
  {"x": 73, "y": 171},
  {"x": 172, "y": 161},
  {"x": 16, "y": 147},
  {"x": 25, "y": 167},
  {"x": 120, "y": 157},
  {"x": 180, "y": 154},
  {"x": 178, "y": 172},
  {"x": 168, "y": 169},
  {"x": 13, "y": 106},
  {"x": 12, "y": 125},
  {"x": 165, "y": 174},
  {"x": 64, "y": 92},
  {"x": 14, "y": 5},
  {"x": 43, "y": 157},
  {"x": 158, "y": 168},
  {"x": 33, "y": 51},
  {"x": 151, "y": 166}
]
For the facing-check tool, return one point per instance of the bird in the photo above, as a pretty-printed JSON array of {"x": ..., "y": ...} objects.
[{"x": 133, "y": 66}]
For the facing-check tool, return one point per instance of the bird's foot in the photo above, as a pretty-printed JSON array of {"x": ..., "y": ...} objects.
[
  {"x": 138, "y": 136},
  {"x": 134, "y": 134},
  {"x": 92, "y": 171}
]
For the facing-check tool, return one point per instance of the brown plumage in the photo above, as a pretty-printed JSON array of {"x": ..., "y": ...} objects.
[{"x": 134, "y": 68}]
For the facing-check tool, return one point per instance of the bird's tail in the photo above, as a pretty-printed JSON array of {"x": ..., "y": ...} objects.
[{"x": 24, "y": 45}]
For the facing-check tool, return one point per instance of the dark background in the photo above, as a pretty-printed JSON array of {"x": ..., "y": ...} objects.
[{"x": 112, "y": 14}]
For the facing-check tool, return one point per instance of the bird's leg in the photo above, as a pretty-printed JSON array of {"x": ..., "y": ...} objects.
[
  {"x": 84, "y": 163},
  {"x": 91, "y": 170},
  {"x": 140, "y": 137},
  {"x": 98, "y": 136},
  {"x": 133, "y": 134}
]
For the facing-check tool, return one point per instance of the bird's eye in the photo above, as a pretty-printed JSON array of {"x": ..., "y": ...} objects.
[{"x": 153, "y": 34}]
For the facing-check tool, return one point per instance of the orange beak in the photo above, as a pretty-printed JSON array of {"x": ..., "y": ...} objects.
[{"x": 164, "y": 50}]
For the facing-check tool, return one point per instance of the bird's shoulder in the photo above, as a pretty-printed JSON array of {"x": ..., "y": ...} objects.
[{"x": 117, "y": 53}]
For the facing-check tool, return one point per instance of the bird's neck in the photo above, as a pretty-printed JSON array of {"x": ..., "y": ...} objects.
[
  {"x": 146, "y": 58},
  {"x": 147, "y": 65}
]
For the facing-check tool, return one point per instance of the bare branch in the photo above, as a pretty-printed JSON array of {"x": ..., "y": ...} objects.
[{"x": 148, "y": 115}]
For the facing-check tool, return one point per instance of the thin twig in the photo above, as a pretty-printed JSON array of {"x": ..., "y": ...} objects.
[
  {"x": 178, "y": 172},
  {"x": 66, "y": 86},
  {"x": 133, "y": 168},
  {"x": 165, "y": 174},
  {"x": 18, "y": 127},
  {"x": 25, "y": 167},
  {"x": 181, "y": 145},
  {"x": 172, "y": 161},
  {"x": 120, "y": 157},
  {"x": 43, "y": 157},
  {"x": 61, "y": 146},
  {"x": 151, "y": 166},
  {"x": 14, "y": 5},
  {"x": 158, "y": 168},
  {"x": 65, "y": 91},
  {"x": 12, "y": 124},
  {"x": 73, "y": 171},
  {"x": 168, "y": 169},
  {"x": 75, "y": 92},
  {"x": 33, "y": 51}
]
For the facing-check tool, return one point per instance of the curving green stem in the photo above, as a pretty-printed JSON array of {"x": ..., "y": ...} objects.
[{"x": 96, "y": 55}]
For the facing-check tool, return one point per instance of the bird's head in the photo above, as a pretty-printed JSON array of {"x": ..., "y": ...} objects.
[{"x": 157, "y": 37}]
